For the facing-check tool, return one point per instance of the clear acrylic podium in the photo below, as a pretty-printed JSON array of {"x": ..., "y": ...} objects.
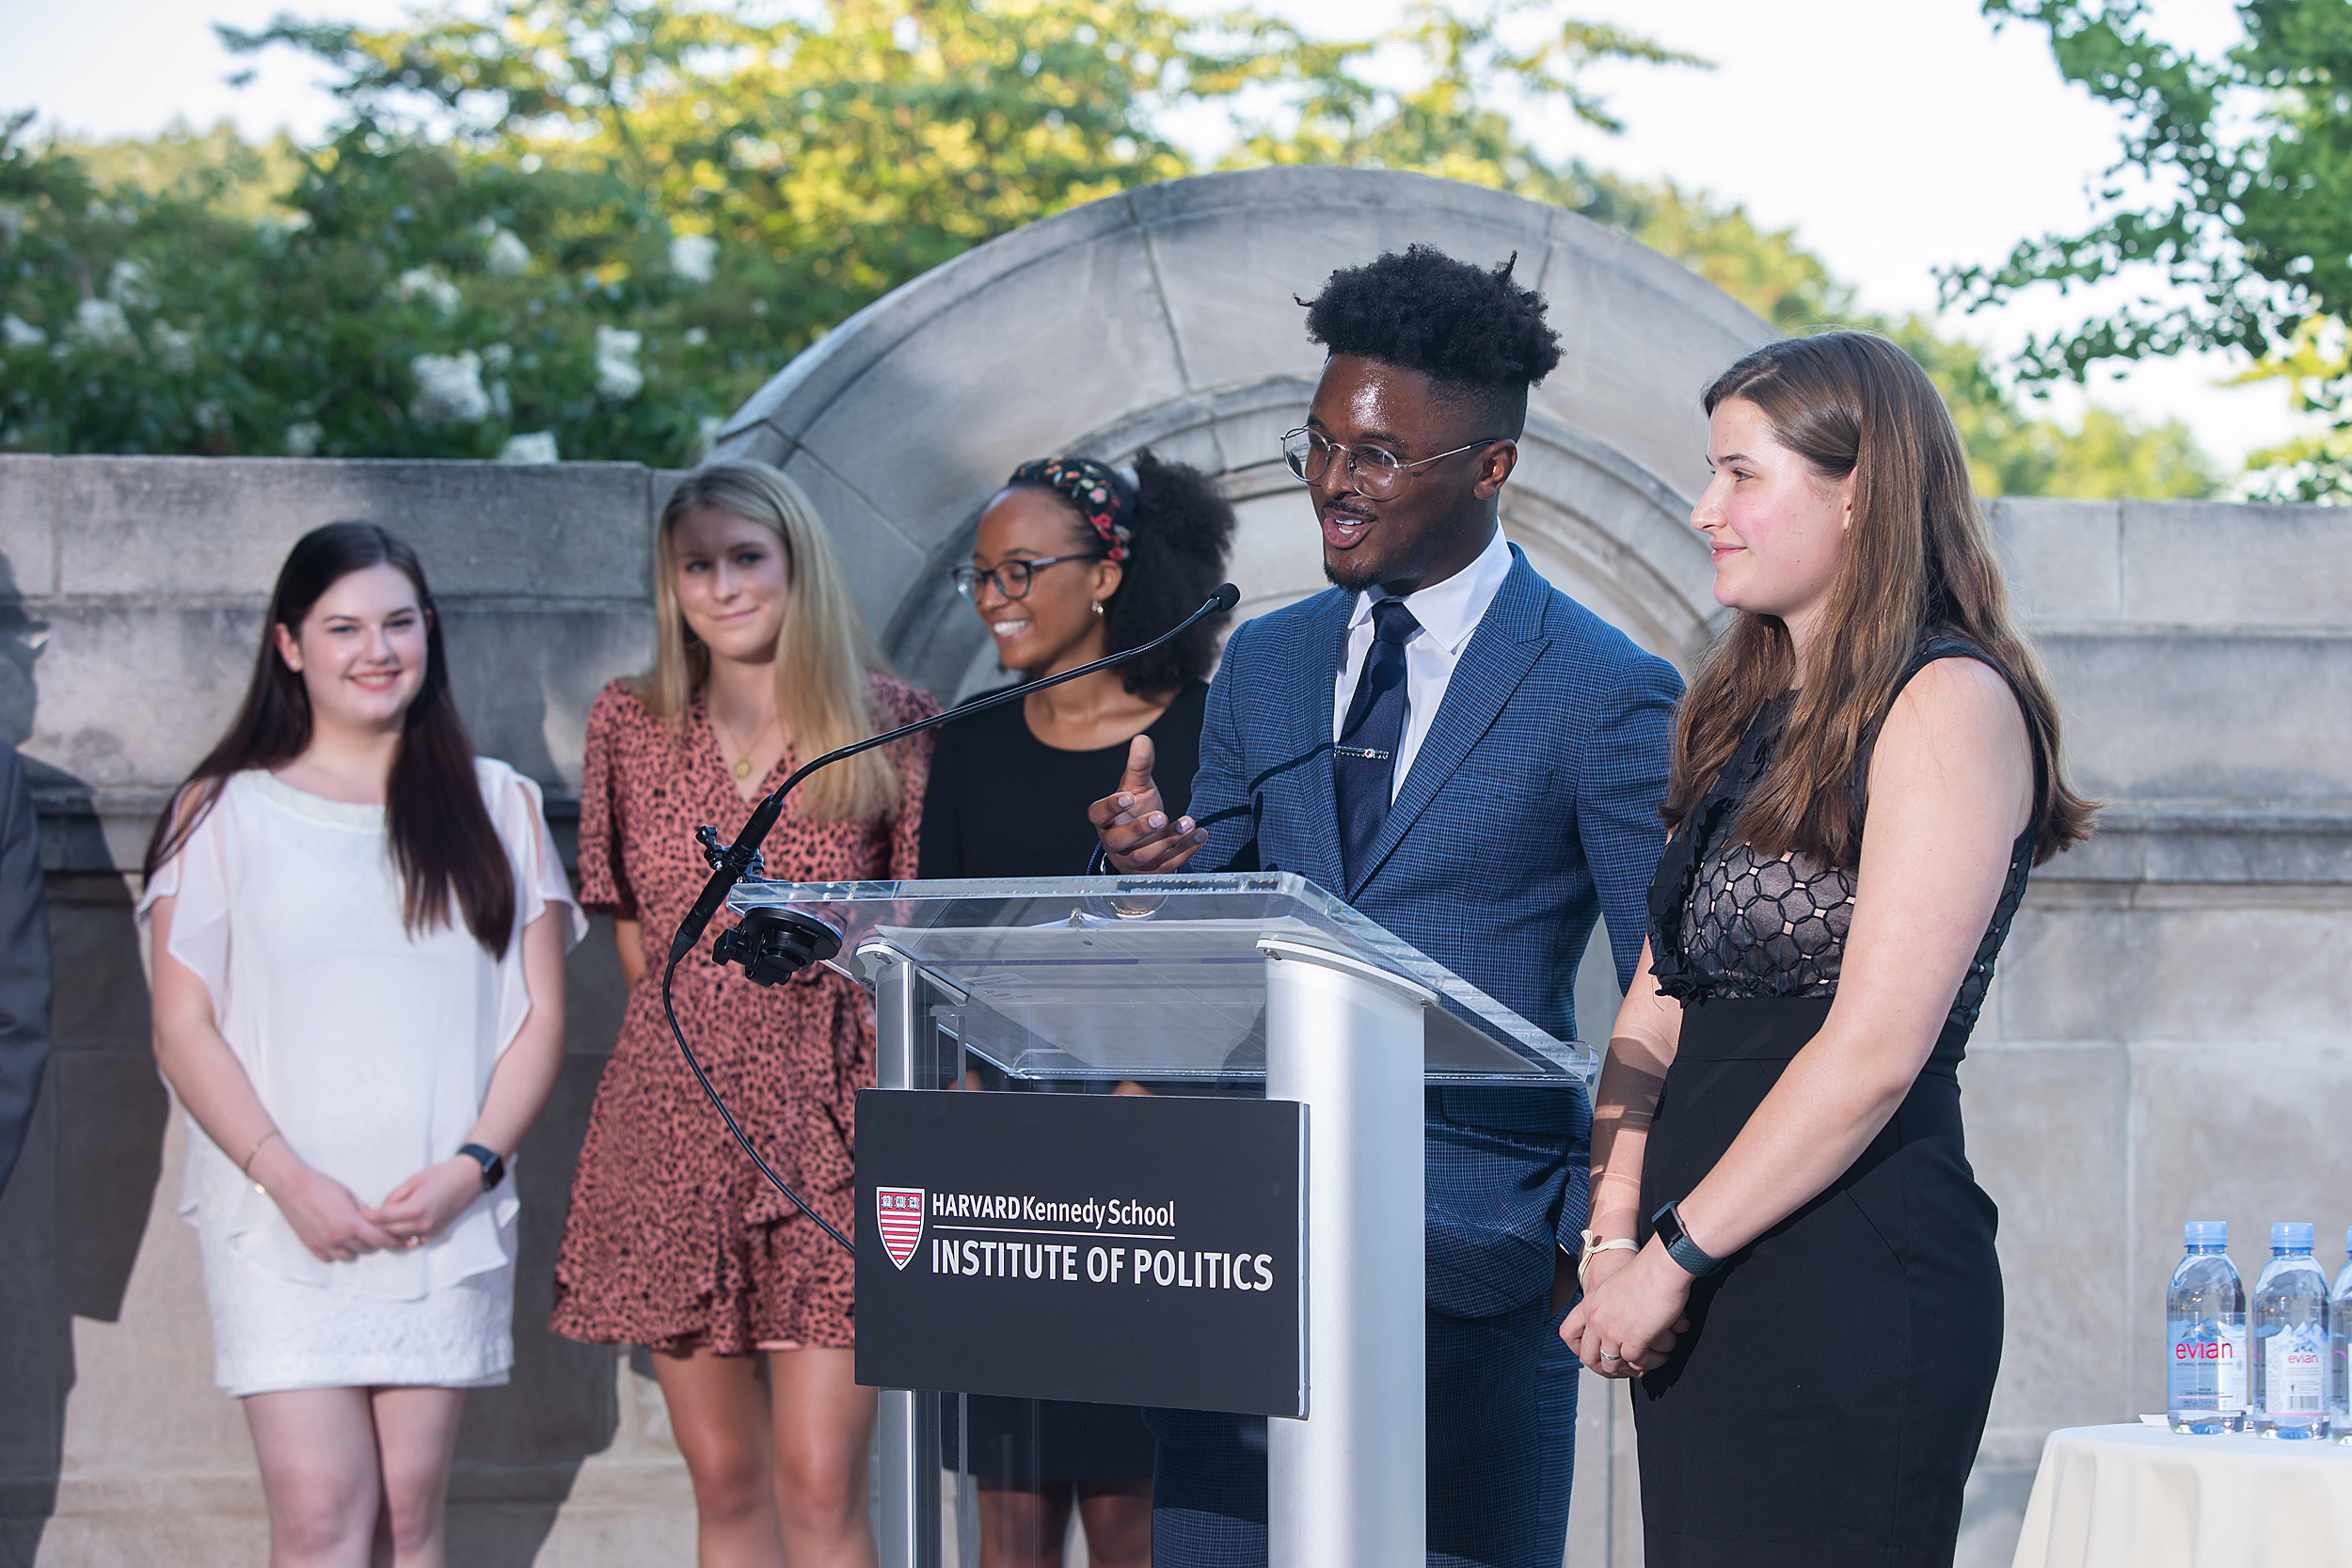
[{"x": 1238, "y": 983}]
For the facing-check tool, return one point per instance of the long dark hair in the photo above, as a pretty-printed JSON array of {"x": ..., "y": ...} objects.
[
  {"x": 1181, "y": 530},
  {"x": 442, "y": 840},
  {"x": 1918, "y": 560}
]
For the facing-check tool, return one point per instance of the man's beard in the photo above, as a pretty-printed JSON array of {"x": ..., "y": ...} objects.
[{"x": 1357, "y": 570}]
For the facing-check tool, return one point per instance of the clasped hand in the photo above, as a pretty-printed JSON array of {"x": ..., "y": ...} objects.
[
  {"x": 1634, "y": 1306},
  {"x": 1134, "y": 825},
  {"x": 335, "y": 1226}
]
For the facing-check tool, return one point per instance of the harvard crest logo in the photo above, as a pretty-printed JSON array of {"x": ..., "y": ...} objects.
[{"x": 898, "y": 1215}]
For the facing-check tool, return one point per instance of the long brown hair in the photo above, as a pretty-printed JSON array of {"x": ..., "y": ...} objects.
[
  {"x": 823, "y": 651},
  {"x": 1918, "y": 561},
  {"x": 442, "y": 840}
]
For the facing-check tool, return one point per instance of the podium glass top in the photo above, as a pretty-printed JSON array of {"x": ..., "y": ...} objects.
[{"x": 1086, "y": 979}]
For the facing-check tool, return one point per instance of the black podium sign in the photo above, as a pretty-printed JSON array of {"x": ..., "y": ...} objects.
[{"x": 1120, "y": 1249}]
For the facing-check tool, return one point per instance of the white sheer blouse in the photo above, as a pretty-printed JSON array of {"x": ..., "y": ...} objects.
[{"x": 371, "y": 1048}]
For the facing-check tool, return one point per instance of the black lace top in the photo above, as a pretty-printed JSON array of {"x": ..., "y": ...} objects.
[{"x": 1729, "y": 923}]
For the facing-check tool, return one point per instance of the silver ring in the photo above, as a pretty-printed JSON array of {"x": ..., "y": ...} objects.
[{"x": 1605, "y": 1356}]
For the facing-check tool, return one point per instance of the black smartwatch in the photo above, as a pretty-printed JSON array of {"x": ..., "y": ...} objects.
[
  {"x": 493, "y": 1165},
  {"x": 1667, "y": 1224}
]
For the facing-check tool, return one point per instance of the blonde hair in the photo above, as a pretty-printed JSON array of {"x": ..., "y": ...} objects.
[{"x": 824, "y": 653}]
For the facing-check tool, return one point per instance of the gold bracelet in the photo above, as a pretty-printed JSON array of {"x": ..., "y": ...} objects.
[{"x": 247, "y": 1167}]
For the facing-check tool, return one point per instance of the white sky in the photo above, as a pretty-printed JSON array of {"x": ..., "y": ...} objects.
[{"x": 1892, "y": 136}]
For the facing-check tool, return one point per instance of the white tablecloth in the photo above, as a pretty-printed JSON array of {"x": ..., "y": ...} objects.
[{"x": 2133, "y": 1496}]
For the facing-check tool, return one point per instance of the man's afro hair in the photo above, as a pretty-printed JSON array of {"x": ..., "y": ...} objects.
[{"x": 1453, "y": 321}]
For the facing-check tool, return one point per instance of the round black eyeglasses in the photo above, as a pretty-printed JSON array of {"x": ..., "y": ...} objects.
[{"x": 1013, "y": 577}]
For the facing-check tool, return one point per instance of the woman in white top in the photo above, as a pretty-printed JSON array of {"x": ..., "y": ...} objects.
[{"x": 356, "y": 955}]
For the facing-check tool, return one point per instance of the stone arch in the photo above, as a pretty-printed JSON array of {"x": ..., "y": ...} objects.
[{"x": 1164, "y": 317}]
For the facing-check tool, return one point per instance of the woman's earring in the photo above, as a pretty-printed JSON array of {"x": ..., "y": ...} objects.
[{"x": 1098, "y": 606}]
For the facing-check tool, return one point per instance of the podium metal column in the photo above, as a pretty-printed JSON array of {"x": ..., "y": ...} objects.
[
  {"x": 1346, "y": 1487},
  {"x": 907, "y": 1421}
]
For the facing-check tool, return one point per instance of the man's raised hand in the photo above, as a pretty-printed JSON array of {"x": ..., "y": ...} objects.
[{"x": 1134, "y": 829}]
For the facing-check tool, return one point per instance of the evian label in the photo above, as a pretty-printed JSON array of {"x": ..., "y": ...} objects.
[
  {"x": 2209, "y": 1363},
  {"x": 898, "y": 1216},
  {"x": 2294, "y": 1372}
]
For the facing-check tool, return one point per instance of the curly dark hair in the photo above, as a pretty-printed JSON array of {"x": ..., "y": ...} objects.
[
  {"x": 1183, "y": 530},
  {"x": 1475, "y": 333}
]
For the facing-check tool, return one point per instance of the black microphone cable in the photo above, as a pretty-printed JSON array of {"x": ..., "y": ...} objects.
[
  {"x": 703, "y": 1077},
  {"x": 730, "y": 865}
]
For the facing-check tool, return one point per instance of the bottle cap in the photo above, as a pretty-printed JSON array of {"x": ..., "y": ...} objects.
[
  {"x": 2205, "y": 1233},
  {"x": 2290, "y": 1236}
]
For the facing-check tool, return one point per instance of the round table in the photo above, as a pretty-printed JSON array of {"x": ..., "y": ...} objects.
[{"x": 2138, "y": 1496}]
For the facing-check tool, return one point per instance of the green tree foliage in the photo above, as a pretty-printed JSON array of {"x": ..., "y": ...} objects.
[
  {"x": 598, "y": 225},
  {"x": 1765, "y": 269},
  {"x": 603, "y": 223},
  {"x": 2233, "y": 185},
  {"x": 396, "y": 301},
  {"x": 1448, "y": 119},
  {"x": 2011, "y": 451}
]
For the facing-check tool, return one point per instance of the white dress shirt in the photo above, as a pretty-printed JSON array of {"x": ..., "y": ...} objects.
[{"x": 1449, "y": 612}]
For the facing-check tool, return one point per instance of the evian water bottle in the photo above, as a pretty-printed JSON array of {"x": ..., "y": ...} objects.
[
  {"x": 2205, "y": 1316},
  {"x": 2291, "y": 1339},
  {"x": 2339, "y": 1349}
]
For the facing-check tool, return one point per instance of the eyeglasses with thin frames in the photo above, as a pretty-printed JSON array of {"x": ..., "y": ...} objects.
[
  {"x": 1012, "y": 576},
  {"x": 1373, "y": 473}
]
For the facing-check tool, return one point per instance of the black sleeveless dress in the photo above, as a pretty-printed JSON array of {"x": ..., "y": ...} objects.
[{"x": 1826, "y": 1405}]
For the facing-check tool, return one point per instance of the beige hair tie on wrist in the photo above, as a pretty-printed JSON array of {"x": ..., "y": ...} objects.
[{"x": 1595, "y": 1247}]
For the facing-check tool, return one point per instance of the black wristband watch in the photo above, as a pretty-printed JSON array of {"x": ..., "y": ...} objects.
[
  {"x": 1667, "y": 1224},
  {"x": 493, "y": 1165}
]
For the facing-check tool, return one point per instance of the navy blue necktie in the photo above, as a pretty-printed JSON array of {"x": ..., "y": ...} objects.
[{"x": 1365, "y": 764}]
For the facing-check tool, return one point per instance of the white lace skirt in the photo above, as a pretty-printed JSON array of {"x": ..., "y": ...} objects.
[{"x": 271, "y": 1334}]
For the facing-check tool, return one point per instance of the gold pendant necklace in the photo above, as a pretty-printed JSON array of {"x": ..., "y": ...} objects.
[{"x": 742, "y": 765}]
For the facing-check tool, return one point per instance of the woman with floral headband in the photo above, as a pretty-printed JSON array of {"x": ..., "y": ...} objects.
[{"x": 1074, "y": 561}]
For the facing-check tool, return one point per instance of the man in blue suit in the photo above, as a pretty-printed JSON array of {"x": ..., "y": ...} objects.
[{"x": 1475, "y": 761}]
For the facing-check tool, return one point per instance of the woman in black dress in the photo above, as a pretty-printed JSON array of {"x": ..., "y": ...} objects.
[
  {"x": 1789, "y": 1250},
  {"x": 1074, "y": 561}
]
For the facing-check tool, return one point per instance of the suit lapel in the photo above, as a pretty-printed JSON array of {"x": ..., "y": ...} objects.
[{"x": 1508, "y": 642}]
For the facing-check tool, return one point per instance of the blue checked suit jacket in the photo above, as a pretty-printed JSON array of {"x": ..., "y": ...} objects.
[{"x": 1531, "y": 808}]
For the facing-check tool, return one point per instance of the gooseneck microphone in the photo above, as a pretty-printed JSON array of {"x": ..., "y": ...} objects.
[
  {"x": 789, "y": 941},
  {"x": 734, "y": 864}
]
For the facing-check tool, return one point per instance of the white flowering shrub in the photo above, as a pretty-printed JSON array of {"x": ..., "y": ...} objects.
[
  {"x": 101, "y": 323},
  {"x": 506, "y": 256},
  {"x": 448, "y": 388},
  {"x": 693, "y": 257},
  {"x": 431, "y": 286},
  {"x": 529, "y": 446},
  {"x": 617, "y": 375}
]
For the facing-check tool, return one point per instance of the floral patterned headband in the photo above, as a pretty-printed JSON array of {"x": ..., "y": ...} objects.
[{"x": 1100, "y": 495}]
